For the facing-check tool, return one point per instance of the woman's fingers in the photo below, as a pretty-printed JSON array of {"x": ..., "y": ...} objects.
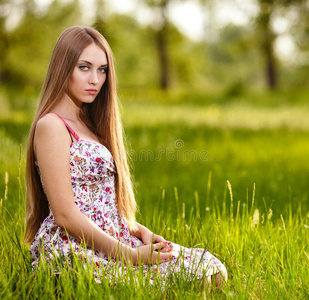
[
  {"x": 165, "y": 256},
  {"x": 159, "y": 258},
  {"x": 162, "y": 252},
  {"x": 154, "y": 253},
  {"x": 165, "y": 246},
  {"x": 158, "y": 246},
  {"x": 158, "y": 238}
]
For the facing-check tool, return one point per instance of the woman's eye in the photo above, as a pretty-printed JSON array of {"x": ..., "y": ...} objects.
[
  {"x": 83, "y": 68},
  {"x": 103, "y": 70}
]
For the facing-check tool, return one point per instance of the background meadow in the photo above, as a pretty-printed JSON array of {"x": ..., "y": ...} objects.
[
  {"x": 246, "y": 200},
  {"x": 217, "y": 134}
]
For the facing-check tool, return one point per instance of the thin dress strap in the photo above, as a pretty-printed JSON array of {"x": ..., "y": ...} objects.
[{"x": 67, "y": 125}]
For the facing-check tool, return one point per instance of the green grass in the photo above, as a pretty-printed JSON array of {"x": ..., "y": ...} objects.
[{"x": 245, "y": 199}]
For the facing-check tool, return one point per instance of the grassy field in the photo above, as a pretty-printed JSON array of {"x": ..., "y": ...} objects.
[{"x": 226, "y": 174}]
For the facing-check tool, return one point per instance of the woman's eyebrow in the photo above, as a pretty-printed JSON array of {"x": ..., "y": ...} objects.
[{"x": 89, "y": 63}]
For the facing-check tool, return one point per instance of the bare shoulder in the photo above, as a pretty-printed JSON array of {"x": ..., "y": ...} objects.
[
  {"x": 50, "y": 129},
  {"x": 49, "y": 122}
]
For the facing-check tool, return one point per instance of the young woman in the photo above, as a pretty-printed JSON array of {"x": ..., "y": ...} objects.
[{"x": 78, "y": 181}]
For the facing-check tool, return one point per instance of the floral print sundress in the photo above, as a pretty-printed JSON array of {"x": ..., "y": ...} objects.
[{"x": 93, "y": 182}]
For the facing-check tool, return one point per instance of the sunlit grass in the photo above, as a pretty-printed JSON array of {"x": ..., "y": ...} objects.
[{"x": 266, "y": 257}]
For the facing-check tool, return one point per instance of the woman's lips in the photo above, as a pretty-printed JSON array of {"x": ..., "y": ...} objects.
[{"x": 91, "y": 91}]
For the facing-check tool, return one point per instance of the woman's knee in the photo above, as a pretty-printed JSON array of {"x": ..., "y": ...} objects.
[{"x": 219, "y": 278}]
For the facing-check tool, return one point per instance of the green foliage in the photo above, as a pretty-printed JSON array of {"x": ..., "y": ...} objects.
[
  {"x": 235, "y": 58},
  {"x": 30, "y": 44},
  {"x": 232, "y": 59},
  {"x": 133, "y": 51}
]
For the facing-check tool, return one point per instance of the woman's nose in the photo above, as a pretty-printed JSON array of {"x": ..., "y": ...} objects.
[{"x": 93, "y": 78}]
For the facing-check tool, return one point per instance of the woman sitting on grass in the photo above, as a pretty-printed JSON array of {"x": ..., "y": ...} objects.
[{"x": 78, "y": 181}]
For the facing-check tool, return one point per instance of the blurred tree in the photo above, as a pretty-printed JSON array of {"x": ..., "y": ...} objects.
[
  {"x": 161, "y": 37},
  {"x": 263, "y": 36},
  {"x": 228, "y": 58},
  {"x": 32, "y": 41},
  {"x": 234, "y": 59},
  {"x": 266, "y": 40},
  {"x": 298, "y": 76},
  {"x": 268, "y": 9},
  {"x": 7, "y": 8},
  {"x": 180, "y": 60},
  {"x": 300, "y": 27},
  {"x": 132, "y": 46},
  {"x": 101, "y": 16},
  {"x": 4, "y": 41}
]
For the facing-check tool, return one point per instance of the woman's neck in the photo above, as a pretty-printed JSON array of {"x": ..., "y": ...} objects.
[{"x": 68, "y": 109}]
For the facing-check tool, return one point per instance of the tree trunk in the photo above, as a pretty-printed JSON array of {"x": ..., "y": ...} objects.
[
  {"x": 162, "y": 46},
  {"x": 271, "y": 69},
  {"x": 163, "y": 59},
  {"x": 267, "y": 46}
]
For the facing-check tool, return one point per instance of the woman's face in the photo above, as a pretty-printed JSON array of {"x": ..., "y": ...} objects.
[{"x": 88, "y": 75}]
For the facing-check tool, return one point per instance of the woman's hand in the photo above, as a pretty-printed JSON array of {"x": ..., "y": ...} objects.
[
  {"x": 151, "y": 254},
  {"x": 149, "y": 238}
]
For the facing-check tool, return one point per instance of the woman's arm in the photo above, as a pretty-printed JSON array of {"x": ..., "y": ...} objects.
[{"x": 52, "y": 150}]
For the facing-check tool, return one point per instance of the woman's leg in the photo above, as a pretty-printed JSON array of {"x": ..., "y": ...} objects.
[{"x": 217, "y": 279}]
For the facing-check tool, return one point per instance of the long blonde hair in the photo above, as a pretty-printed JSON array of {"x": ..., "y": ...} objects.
[{"x": 101, "y": 117}]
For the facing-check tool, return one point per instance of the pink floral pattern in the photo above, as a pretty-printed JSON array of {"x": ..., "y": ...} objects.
[{"x": 93, "y": 183}]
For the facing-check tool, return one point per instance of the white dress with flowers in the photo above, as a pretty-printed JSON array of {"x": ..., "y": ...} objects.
[{"x": 93, "y": 182}]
